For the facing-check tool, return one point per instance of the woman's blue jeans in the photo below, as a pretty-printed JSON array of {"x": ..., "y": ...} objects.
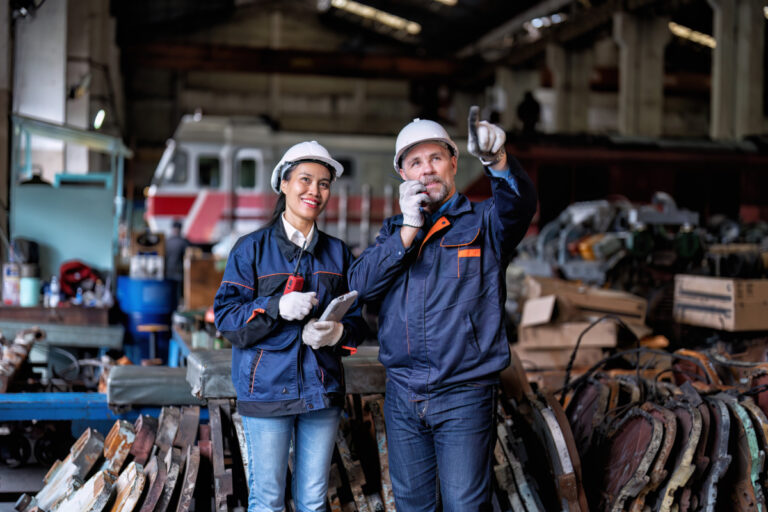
[
  {"x": 268, "y": 443},
  {"x": 449, "y": 437}
]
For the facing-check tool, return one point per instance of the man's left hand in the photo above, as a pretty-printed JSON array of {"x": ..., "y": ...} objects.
[
  {"x": 322, "y": 334},
  {"x": 486, "y": 140}
]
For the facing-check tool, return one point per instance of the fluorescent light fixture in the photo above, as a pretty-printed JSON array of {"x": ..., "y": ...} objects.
[
  {"x": 98, "y": 120},
  {"x": 537, "y": 22},
  {"x": 765, "y": 11},
  {"x": 371, "y": 13},
  {"x": 692, "y": 35},
  {"x": 448, "y": 2}
]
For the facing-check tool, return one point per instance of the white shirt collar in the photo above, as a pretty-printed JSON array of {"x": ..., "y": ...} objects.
[{"x": 296, "y": 236}]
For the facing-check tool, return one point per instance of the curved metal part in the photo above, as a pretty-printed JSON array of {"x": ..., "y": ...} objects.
[
  {"x": 529, "y": 498},
  {"x": 689, "y": 496},
  {"x": 570, "y": 443},
  {"x": 689, "y": 433},
  {"x": 586, "y": 411},
  {"x": 760, "y": 422},
  {"x": 146, "y": 430},
  {"x": 744, "y": 473},
  {"x": 684, "y": 369},
  {"x": 719, "y": 457},
  {"x": 129, "y": 485},
  {"x": 514, "y": 381},
  {"x": 627, "y": 454},
  {"x": 760, "y": 378},
  {"x": 658, "y": 472}
]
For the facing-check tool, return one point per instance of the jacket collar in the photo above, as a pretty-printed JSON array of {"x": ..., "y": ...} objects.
[{"x": 289, "y": 249}]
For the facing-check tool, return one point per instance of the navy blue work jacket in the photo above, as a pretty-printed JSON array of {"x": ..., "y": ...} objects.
[
  {"x": 274, "y": 373},
  {"x": 441, "y": 301}
]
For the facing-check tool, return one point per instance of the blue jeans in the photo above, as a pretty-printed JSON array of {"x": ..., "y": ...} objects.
[
  {"x": 450, "y": 436},
  {"x": 268, "y": 442}
]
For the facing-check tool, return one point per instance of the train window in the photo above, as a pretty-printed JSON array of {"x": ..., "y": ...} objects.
[
  {"x": 349, "y": 167},
  {"x": 245, "y": 173},
  {"x": 176, "y": 171},
  {"x": 209, "y": 172}
]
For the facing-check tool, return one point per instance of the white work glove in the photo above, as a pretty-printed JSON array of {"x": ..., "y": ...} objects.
[
  {"x": 296, "y": 305},
  {"x": 413, "y": 195},
  {"x": 486, "y": 140},
  {"x": 322, "y": 334}
]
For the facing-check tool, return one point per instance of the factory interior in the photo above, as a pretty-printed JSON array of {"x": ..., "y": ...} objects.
[{"x": 143, "y": 146}]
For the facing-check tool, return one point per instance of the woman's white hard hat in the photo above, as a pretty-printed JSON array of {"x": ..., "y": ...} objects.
[
  {"x": 310, "y": 151},
  {"x": 418, "y": 131}
]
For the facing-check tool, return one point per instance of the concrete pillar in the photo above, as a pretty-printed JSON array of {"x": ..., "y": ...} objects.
[
  {"x": 571, "y": 72},
  {"x": 80, "y": 80},
  {"x": 641, "y": 41},
  {"x": 737, "y": 68},
  {"x": 275, "y": 28},
  {"x": 39, "y": 77},
  {"x": 5, "y": 97}
]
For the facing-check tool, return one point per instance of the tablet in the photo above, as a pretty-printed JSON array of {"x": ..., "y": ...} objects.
[{"x": 339, "y": 307}]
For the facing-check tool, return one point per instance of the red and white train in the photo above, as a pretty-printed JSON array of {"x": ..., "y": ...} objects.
[{"x": 214, "y": 176}]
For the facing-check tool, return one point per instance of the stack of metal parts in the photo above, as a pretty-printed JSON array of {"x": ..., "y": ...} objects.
[
  {"x": 691, "y": 437},
  {"x": 149, "y": 465},
  {"x": 14, "y": 353}
]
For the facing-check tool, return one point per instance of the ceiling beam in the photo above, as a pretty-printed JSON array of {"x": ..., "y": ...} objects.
[{"x": 213, "y": 57}]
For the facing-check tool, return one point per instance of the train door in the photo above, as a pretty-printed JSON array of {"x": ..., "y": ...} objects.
[{"x": 252, "y": 199}]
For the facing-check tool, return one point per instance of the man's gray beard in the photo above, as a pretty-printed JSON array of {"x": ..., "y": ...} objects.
[{"x": 437, "y": 196}]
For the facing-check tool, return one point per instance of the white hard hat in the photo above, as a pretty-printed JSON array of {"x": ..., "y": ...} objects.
[
  {"x": 418, "y": 131},
  {"x": 303, "y": 152}
]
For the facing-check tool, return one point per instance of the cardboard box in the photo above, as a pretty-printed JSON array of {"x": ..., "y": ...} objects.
[
  {"x": 202, "y": 277},
  {"x": 721, "y": 303},
  {"x": 557, "y": 359},
  {"x": 588, "y": 301},
  {"x": 551, "y": 322}
]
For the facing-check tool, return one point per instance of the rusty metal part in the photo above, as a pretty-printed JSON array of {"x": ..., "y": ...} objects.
[
  {"x": 190, "y": 478},
  {"x": 174, "y": 464},
  {"x": 570, "y": 445},
  {"x": 117, "y": 445},
  {"x": 719, "y": 458},
  {"x": 13, "y": 354},
  {"x": 168, "y": 425},
  {"x": 688, "y": 433},
  {"x": 689, "y": 495},
  {"x": 334, "y": 483},
  {"x": 237, "y": 420},
  {"x": 626, "y": 455},
  {"x": 760, "y": 378},
  {"x": 514, "y": 381},
  {"x": 377, "y": 408},
  {"x": 744, "y": 472},
  {"x": 686, "y": 370},
  {"x": 129, "y": 487},
  {"x": 146, "y": 431},
  {"x": 156, "y": 475},
  {"x": 68, "y": 475},
  {"x": 658, "y": 471},
  {"x": 93, "y": 496},
  {"x": 188, "y": 425},
  {"x": 528, "y": 496},
  {"x": 586, "y": 411},
  {"x": 354, "y": 473},
  {"x": 760, "y": 422},
  {"x": 222, "y": 476}
]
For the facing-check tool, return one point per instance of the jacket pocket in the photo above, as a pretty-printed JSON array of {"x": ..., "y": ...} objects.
[
  {"x": 461, "y": 253},
  {"x": 273, "y": 375}
]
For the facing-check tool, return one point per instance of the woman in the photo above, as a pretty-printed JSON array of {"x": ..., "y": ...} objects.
[{"x": 286, "y": 366}]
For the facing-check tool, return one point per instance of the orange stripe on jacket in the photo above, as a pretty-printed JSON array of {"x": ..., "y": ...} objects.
[
  {"x": 470, "y": 253},
  {"x": 253, "y": 315},
  {"x": 441, "y": 223},
  {"x": 238, "y": 284}
]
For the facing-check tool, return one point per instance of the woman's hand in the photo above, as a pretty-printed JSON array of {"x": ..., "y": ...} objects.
[
  {"x": 296, "y": 305},
  {"x": 322, "y": 334}
]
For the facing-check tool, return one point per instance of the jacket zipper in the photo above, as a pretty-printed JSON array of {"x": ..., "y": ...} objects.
[{"x": 253, "y": 373}]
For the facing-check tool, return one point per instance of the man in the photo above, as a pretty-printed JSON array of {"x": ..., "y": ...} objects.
[
  {"x": 436, "y": 274},
  {"x": 175, "y": 245}
]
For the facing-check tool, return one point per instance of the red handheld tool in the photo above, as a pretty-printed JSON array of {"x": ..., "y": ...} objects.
[{"x": 295, "y": 282}]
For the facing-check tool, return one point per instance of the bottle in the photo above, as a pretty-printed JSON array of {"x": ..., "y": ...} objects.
[
  {"x": 55, "y": 292},
  {"x": 78, "y": 298}
]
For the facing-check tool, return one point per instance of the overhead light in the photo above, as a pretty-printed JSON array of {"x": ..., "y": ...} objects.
[
  {"x": 537, "y": 22},
  {"x": 692, "y": 35},
  {"x": 765, "y": 11},
  {"x": 371, "y": 13},
  {"x": 98, "y": 120},
  {"x": 447, "y": 2}
]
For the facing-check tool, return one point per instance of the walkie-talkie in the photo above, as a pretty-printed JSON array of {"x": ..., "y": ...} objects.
[{"x": 295, "y": 282}]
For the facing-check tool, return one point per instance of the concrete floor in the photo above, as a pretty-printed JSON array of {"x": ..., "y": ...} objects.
[{"x": 13, "y": 482}]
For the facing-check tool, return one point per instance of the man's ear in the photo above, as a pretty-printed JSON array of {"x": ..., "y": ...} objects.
[
  {"x": 455, "y": 163},
  {"x": 402, "y": 174}
]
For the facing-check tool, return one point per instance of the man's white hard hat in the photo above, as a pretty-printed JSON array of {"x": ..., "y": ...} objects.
[
  {"x": 310, "y": 151},
  {"x": 418, "y": 131}
]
